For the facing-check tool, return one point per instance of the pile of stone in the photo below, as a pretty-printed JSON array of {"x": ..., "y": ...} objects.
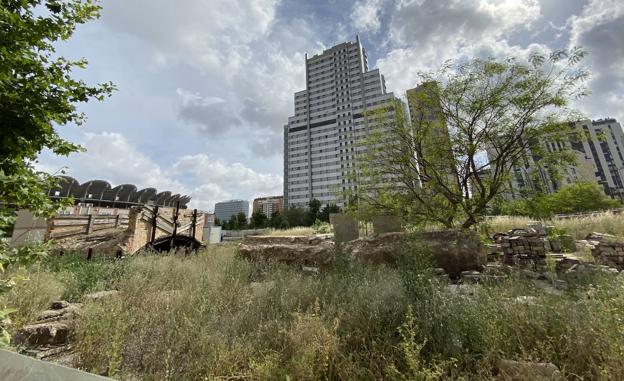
[
  {"x": 606, "y": 249},
  {"x": 524, "y": 248},
  {"x": 48, "y": 338}
]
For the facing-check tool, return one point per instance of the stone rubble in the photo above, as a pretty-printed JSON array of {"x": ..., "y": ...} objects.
[{"x": 48, "y": 338}]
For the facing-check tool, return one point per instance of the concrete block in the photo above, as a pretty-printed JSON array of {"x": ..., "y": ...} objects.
[
  {"x": 345, "y": 227},
  {"x": 386, "y": 224}
]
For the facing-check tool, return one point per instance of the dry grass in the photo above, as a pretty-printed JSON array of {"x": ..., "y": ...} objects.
[
  {"x": 214, "y": 316},
  {"x": 293, "y": 231},
  {"x": 578, "y": 227}
]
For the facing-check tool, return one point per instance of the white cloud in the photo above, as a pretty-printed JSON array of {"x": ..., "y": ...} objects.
[
  {"x": 212, "y": 115},
  {"x": 229, "y": 176},
  {"x": 208, "y": 34},
  {"x": 365, "y": 15},
  {"x": 447, "y": 24},
  {"x": 111, "y": 157},
  {"x": 248, "y": 62},
  {"x": 600, "y": 29}
]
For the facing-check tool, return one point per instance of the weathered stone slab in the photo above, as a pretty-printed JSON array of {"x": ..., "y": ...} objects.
[
  {"x": 345, "y": 227},
  {"x": 386, "y": 224}
]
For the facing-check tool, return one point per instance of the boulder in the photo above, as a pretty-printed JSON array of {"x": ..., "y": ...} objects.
[
  {"x": 319, "y": 255},
  {"x": 380, "y": 249},
  {"x": 453, "y": 250},
  {"x": 51, "y": 332}
]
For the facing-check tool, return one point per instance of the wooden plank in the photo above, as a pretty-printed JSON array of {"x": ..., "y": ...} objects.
[
  {"x": 65, "y": 234},
  {"x": 69, "y": 223}
]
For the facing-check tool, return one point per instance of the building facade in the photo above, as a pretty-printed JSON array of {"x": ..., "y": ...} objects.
[
  {"x": 599, "y": 149},
  {"x": 226, "y": 209},
  {"x": 321, "y": 139},
  {"x": 209, "y": 219},
  {"x": 268, "y": 205}
]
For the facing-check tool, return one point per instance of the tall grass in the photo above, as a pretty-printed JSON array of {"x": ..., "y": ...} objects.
[
  {"x": 578, "y": 227},
  {"x": 214, "y": 316}
]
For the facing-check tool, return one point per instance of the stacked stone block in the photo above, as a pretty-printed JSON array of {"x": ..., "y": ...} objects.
[
  {"x": 609, "y": 253},
  {"x": 523, "y": 250}
]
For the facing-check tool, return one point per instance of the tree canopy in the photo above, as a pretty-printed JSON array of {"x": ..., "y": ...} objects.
[
  {"x": 574, "y": 198},
  {"x": 469, "y": 124},
  {"x": 38, "y": 93}
]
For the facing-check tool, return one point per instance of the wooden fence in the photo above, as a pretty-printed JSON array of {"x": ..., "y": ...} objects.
[{"x": 63, "y": 226}]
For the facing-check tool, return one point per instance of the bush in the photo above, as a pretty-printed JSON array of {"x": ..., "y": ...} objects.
[
  {"x": 81, "y": 277},
  {"x": 574, "y": 198}
]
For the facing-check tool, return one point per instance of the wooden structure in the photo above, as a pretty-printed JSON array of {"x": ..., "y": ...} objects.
[{"x": 65, "y": 226}]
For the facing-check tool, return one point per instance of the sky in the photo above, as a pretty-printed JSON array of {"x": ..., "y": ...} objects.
[{"x": 204, "y": 87}]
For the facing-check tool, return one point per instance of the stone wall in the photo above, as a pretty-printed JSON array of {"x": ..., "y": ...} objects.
[{"x": 609, "y": 253}]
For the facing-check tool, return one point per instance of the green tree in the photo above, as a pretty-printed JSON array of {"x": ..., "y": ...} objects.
[
  {"x": 327, "y": 210},
  {"x": 241, "y": 221},
  {"x": 217, "y": 222},
  {"x": 433, "y": 167},
  {"x": 277, "y": 221},
  {"x": 259, "y": 220},
  {"x": 296, "y": 217},
  {"x": 232, "y": 223},
  {"x": 37, "y": 94},
  {"x": 314, "y": 207},
  {"x": 574, "y": 198}
]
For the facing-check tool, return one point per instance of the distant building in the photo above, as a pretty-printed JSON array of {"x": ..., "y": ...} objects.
[
  {"x": 599, "y": 149},
  {"x": 268, "y": 205},
  {"x": 426, "y": 115},
  {"x": 226, "y": 209},
  {"x": 322, "y": 138},
  {"x": 209, "y": 219}
]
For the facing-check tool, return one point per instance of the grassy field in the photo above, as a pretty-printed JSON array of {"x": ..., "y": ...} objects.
[
  {"x": 577, "y": 227},
  {"x": 214, "y": 316}
]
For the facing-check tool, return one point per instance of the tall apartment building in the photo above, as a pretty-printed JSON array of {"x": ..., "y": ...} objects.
[
  {"x": 599, "y": 149},
  {"x": 321, "y": 138},
  {"x": 226, "y": 209},
  {"x": 426, "y": 115},
  {"x": 268, "y": 205}
]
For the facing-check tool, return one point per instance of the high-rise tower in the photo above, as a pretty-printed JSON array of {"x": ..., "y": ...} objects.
[{"x": 321, "y": 139}]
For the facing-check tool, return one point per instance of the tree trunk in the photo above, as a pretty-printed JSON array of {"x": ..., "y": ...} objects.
[{"x": 469, "y": 222}]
